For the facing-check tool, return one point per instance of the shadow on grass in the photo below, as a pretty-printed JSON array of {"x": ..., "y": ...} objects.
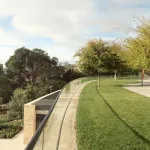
[
  {"x": 134, "y": 131},
  {"x": 138, "y": 85}
]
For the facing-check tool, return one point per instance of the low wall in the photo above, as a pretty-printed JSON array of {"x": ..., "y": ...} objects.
[{"x": 30, "y": 117}]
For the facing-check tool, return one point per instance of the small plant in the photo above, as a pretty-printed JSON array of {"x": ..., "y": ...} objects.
[{"x": 10, "y": 129}]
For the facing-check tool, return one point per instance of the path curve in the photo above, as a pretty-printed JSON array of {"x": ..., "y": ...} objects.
[
  {"x": 63, "y": 114},
  {"x": 137, "y": 88}
]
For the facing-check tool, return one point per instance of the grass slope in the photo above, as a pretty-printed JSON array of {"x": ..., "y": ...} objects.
[{"x": 119, "y": 121}]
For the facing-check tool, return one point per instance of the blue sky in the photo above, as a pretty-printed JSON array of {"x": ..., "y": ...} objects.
[{"x": 62, "y": 27}]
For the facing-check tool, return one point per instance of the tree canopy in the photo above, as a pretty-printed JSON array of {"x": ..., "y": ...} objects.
[
  {"x": 99, "y": 56},
  {"x": 28, "y": 66},
  {"x": 90, "y": 56},
  {"x": 138, "y": 48},
  {"x": 113, "y": 60}
]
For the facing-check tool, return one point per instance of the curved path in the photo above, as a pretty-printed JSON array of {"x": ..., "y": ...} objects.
[
  {"x": 137, "y": 88},
  {"x": 59, "y": 132}
]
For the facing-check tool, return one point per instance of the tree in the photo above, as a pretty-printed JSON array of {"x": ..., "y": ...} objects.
[
  {"x": 38, "y": 65},
  {"x": 19, "y": 98},
  {"x": 6, "y": 86},
  {"x": 16, "y": 104},
  {"x": 27, "y": 66},
  {"x": 16, "y": 66},
  {"x": 1, "y": 100},
  {"x": 70, "y": 72},
  {"x": 138, "y": 54},
  {"x": 1, "y": 70},
  {"x": 36, "y": 69},
  {"x": 90, "y": 57},
  {"x": 113, "y": 60},
  {"x": 5, "y": 89}
]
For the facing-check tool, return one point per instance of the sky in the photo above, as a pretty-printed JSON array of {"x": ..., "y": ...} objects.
[{"x": 61, "y": 27}]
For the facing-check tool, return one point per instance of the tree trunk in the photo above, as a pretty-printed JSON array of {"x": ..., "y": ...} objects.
[
  {"x": 115, "y": 75},
  {"x": 98, "y": 80},
  {"x": 142, "y": 76}
]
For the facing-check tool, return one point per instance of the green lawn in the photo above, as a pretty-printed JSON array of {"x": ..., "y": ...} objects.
[
  {"x": 111, "y": 118},
  {"x": 86, "y": 79}
]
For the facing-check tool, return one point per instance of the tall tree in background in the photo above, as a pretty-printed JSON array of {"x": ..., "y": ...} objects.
[
  {"x": 28, "y": 66},
  {"x": 71, "y": 72},
  {"x": 6, "y": 86},
  {"x": 16, "y": 66},
  {"x": 5, "y": 89},
  {"x": 90, "y": 57},
  {"x": 113, "y": 60},
  {"x": 38, "y": 66},
  {"x": 139, "y": 47},
  {"x": 2, "y": 70},
  {"x": 35, "y": 68}
]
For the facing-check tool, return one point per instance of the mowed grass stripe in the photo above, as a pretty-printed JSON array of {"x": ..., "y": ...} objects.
[
  {"x": 117, "y": 115},
  {"x": 99, "y": 129},
  {"x": 132, "y": 108}
]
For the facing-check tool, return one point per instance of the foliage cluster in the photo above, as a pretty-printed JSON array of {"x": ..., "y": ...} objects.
[
  {"x": 10, "y": 129},
  {"x": 130, "y": 56},
  {"x": 34, "y": 69}
]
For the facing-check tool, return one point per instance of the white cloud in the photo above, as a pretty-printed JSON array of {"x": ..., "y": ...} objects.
[
  {"x": 130, "y": 2},
  {"x": 53, "y": 18},
  {"x": 70, "y": 23},
  {"x": 5, "y": 54},
  {"x": 7, "y": 39},
  {"x": 60, "y": 19}
]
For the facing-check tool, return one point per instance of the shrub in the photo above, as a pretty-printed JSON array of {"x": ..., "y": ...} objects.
[
  {"x": 10, "y": 129},
  {"x": 16, "y": 104},
  {"x": 5, "y": 118},
  {"x": 31, "y": 93},
  {"x": 19, "y": 98}
]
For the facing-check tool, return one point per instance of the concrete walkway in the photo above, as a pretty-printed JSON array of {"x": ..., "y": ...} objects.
[
  {"x": 66, "y": 106},
  {"x": 15, "y": 143},
  {"x": 137, "y": 88},
  {"x": 68, "y": 133}
]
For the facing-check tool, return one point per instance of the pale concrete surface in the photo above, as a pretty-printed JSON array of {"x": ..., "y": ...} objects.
[
  {"x": 137, "y": 88},
  {"x": 29, "y": 122},
  {"x": 68, "y": 133},
  {"x": 15, "y": 143},
  {"x": 31, "y": 109}
]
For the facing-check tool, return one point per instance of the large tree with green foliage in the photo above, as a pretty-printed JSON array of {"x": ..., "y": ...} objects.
[
  {"x": 19, "y": 98},
  {"x": 2, "y": 70},
  {"x": 113, "y": 60},
  {"x": 27, "y": 66},
  {"x": 90, "y": 57},
  {"x": 138, "y": 48},
  {"x": 5, "y": 89}
]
